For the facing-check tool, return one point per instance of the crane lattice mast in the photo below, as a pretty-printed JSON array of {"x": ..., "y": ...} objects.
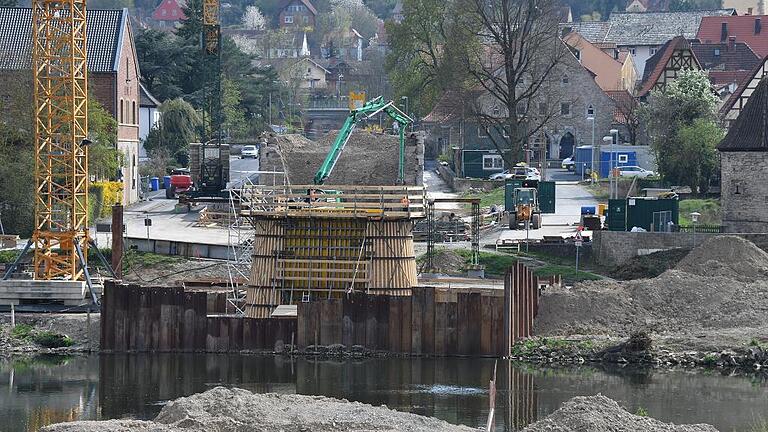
[{"x": 61, "y": 128}]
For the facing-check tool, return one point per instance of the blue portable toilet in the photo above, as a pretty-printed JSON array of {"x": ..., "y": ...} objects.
[
  {"x": 620, "y": 158},
  {"x": 582, "y": 160}
]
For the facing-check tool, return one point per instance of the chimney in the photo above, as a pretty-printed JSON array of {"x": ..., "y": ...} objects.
[
  {"x": 724, "y": 32},
  {"x": 731, "y": 43},
  {"x": 758, "y": 26}
]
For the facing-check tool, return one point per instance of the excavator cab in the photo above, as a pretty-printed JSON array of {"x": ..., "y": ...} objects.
[{"x": 526, "y": 209}]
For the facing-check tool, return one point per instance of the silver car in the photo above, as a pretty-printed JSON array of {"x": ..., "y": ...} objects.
[{"x": 635, "y": 171}]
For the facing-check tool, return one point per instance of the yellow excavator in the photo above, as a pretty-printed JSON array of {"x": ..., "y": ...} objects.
[{"x": 526, "y": 201}]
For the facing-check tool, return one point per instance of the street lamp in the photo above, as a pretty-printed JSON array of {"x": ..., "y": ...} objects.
[
  {"x": 694, "y": 219},
  {"x": 595, "y": 151}
]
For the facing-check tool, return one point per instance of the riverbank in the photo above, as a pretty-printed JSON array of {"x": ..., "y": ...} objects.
[
  {"x": 224, "y": 410},
  {"x": 49, "y": 333}
]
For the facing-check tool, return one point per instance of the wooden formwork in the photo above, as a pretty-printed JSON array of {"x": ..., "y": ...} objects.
[{"x": 312, "y": 244}]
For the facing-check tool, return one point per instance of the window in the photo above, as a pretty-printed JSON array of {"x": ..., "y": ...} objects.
[
  {"x": 496, "y": 111},
  {"x": 164, "y": 12},
  {"x": 623, "y": 158},
  {"x": 591, "y": 111},
  {"x": 654, "y": 50},
  {"x": 521, "y": 108},
  {"x": 121, "y": 111},
  {"x": 288, "y": 19},
  {"x": 493, "y": 162},
  {"x": 173, "y": 12},
  {"x": 481, "y": 132},
  {"x": 564, "y": 80},
  {"x": 505, "y": 132},
  {"x": 133, "y": 112},
  {"x": 632, "y": 50},
  {"x": 717, "y": 52},
  {"x": 305, "y": 19},
  {"x": 565, "y": 109}
]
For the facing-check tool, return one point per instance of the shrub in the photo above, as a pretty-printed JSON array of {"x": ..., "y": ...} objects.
[
  {"x": 21, "y": 331},
  {"x": 50, "y": 339}
]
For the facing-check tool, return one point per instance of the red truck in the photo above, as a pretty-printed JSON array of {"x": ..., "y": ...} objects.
[{"x": 181, "y": 182}]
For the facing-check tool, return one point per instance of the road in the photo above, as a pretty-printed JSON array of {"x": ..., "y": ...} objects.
[{"x": 167, "y": 224}]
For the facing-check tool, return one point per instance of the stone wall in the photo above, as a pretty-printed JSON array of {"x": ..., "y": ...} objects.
[
  {"x": 460, "y": 184},
  {"x": 744, "y": 191},
  {"x": 615, "y": 247}
]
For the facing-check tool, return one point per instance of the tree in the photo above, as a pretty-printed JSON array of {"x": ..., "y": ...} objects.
[
  {"x": 163, "y": 59},
  {"x": 234, "y": 118},
  {"x": 104, "y": 160},
  {"x": 253, "y": 19},
  {"x": 692, "y": 5},
  {"x": 517, "y": 68},
  {"x": 677, "y": 118},
  {"x": 179, "y": 125},
  {"x": 427, "y": 51},
  {"x": 628, "y": 110},
  {"x": 192, "y": 26}
]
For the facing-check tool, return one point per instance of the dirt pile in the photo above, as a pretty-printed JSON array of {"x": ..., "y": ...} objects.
[
  {"x": 651, "y": 265},
  {"x": 367, "y": 159},
  {"x": 728, "y": 256},
  {"x": 673, "y": 302},
  {"x": 601, "y": 414},
  {"x": 224, "y": 410},
  {"x": 447, "y": 261}
]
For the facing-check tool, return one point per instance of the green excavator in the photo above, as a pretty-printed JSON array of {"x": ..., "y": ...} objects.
[{"x": 368, "y": 110}]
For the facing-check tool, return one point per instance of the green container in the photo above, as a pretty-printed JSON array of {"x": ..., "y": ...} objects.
[
  {"x": 547, "y": 196},
  {"x": 647, "y": 213},
  {"x": 617, "y": 215},
  {"x": 546, "y": 191}
]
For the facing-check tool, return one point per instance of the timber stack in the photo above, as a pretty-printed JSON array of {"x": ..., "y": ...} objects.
[{"x": 312, "y": 243}]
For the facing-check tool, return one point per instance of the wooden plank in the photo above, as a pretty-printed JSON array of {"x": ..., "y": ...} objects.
[
  {"x": 200, "y": 303},
  {"x": 498, "y": 326},
  {"x": 347, "y": 321},
  {"x": 428, "y": 321},
  {"x": 486, "y": 318},
  {"x": 452, "y": 329},
  {"x": 330, "y": 322},
  {"x": 370, "y": 324},
  {"x": 235, "y": 334},
  {"x": 469, "y": 317},
  {"x": 106, "y": 338},
  {"x": 405, "y": 304},
  {"x": 224, "y": 332},
  {"x": 189, "y": 320},
  {"x": 212, "y": 334},
  {"x": 359, "y": 318},
  {"x": 441, "y": 328},
  {"x": 395, "y": 324},
  {"x": 249, "y": 334},
  {"x": 382, "y": 321},
  {"x": 303, "y": 335},
  {"x": 417, "y": 313}
]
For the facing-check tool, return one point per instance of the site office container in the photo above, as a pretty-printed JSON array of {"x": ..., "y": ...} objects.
[
  {"x": 583, "y": 161},
  {"x": 651, "y": 214},
  {"x": 546, "y": 191}
]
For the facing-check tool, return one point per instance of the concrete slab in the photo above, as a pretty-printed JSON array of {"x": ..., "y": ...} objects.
[{"x": 14, "y": 291}]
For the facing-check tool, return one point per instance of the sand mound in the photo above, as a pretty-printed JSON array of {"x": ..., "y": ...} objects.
[
  {"x": 728, "y": 256},
  {"x": 676, "y": 301},
  {"x": 368, "y": 159},
  {"x": 234, "y": 410},
  {"x": 601, "y": 414}
]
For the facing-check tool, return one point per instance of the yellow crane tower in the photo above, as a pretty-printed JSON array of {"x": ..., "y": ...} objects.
[{"x": 59, "y": 67}]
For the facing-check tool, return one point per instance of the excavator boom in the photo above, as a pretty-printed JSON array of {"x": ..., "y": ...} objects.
[{"x": 368, "y": 110}]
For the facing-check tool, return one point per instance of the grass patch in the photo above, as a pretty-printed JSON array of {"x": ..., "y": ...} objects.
[
  {"x": 709, "y": 209},
  {"x": 22, "y": 331},
  {"x": 642, "y": 412},
  {"x": 134, "y": 259},
  {"x": 489, "y": 198},
  {"x": 568, "y": 273},
  {"x": 50, "y": 339},
  {"x": 495, "y": 264}
]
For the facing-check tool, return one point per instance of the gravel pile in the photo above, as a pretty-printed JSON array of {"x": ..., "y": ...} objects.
[
  {"x": 601, "y": 414},
  {"x": 717, "y": 288},
  {"x": 368, "y": 159},
  {"x": 728, "y": 256},
  {"x": 234, "y": 410}
]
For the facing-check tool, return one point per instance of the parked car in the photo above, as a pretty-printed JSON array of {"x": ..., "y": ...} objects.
[
  {"x": 527, "y": 173},
  {"x": 249, "y": 151},
  {"x": 635, "y": 171},
  {"x": 568, "y": 163},
  {"x": 504, "y": 175}
]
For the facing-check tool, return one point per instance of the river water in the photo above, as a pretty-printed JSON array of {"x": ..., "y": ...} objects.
[{"x": 53, "y": 389}]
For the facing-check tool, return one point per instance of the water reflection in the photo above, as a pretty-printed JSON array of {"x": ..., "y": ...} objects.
[{"x": 48, "y": 390}]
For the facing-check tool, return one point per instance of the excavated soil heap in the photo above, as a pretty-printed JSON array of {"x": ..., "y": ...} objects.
[
  {"x": 688, "y": 299},
  {"x": 367, "y": 159},
  {"x": 601, "y": 414},
  {"x": 236, "y": 410},
  {"x": 728, "y": 256}
]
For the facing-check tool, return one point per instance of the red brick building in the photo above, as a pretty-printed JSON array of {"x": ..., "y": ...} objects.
[
  {"x": 113, "y": 74},
  {"x": 297, "y": 14},
  {"x": 168, "y": 13}
]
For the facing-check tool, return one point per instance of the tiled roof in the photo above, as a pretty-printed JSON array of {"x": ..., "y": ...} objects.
[
  {"x": 306, "y": 3},
  {"x": 450, "y": 107},
  {"x": 173, "y": 11},
  {"x": 743, "y": 28},
  {"x": 103, "y": 29},
  {"x": 723, "y": 57},
  {"x": 750, "y": 130},
  {"x": 648, "y": 28},
  {"x": 655, "y": 65},
  {"x": 146, "y": 98}
]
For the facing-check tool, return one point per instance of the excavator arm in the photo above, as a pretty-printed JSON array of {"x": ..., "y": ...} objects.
[{"x": 368, "y": 110}]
